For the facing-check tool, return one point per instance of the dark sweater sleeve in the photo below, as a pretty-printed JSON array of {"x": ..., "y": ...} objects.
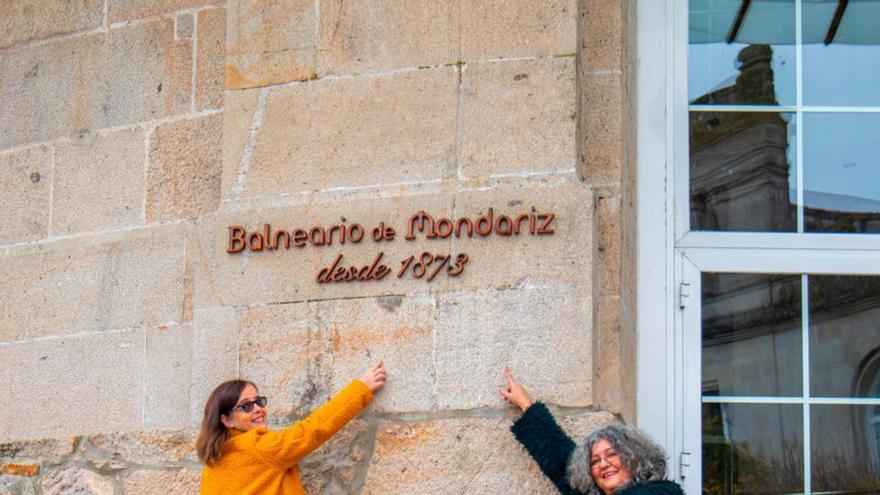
[{"x": 547, "y": 443}]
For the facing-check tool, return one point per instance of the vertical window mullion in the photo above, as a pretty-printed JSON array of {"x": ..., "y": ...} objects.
[
  {"x": 799, "y": 113},
  {"x": 805, "y": 363}
]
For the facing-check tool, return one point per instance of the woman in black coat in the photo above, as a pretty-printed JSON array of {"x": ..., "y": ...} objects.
[{"x": 615, "y": 460}]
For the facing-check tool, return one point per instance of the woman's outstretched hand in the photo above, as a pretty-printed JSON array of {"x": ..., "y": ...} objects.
[
  {"x": 374, "y": 378},
  {"x": 515, "y": 393}
]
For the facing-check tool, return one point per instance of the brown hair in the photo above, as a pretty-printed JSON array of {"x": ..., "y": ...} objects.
[{"x": 213, "y": 433}]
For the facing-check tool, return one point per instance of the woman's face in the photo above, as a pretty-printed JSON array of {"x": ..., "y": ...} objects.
[
  {"x": 608, "y": 473},
  {"x": 241, "y": 419}
]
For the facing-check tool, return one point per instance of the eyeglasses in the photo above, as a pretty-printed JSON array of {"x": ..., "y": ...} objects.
[{"x": 248, "y": 405}]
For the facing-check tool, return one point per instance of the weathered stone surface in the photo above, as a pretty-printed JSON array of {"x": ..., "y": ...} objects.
[
  {"x": 238, "y": 116},
  {"x": 600, "y": 123},
  {"x": 126, "y": 10},
  {"x": 20, "y": 469},
  {"x": 47, "y": 449},
  {"x": 608, "y": 356},
  {"x": 89, "y": 284},
  {"x": 184, "y": 25},
  {"x": 74, "y": 373},
  {"x": 334, "y": 468},
  {"x": 210, "y": 55},
  {"x": 98, "y": 182},
  {"x": 479, "y": 333},
  {"x": 13, "y": 485},
  {"x": 498, "y": 29},
  {"x": 25, "y": 180},
  {"x": 148, "y": 447},
  {"x": 214, "y": 355},
  {"x": 183, "y": 177},
  {"x": 324, "y": 134},
  {"x": 608, "y": 241},
  {"x": 462, "y": 455},
  {"x": 269, "y": 42},
  {"x": 76, "y": 481},
  {"x": 25, "y": 20},
  {"x": 365, "y": 35},
  {"x": 601, "y": 35},
  {"x": 68, "y": 86},
  {"x": 161, "y": 482},
  {"x": 167, "y": 376},
  {"x": 518, "y": 117}
]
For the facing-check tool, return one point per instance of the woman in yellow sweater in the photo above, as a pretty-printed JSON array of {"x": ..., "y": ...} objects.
[{"x": 242, "y": 457}]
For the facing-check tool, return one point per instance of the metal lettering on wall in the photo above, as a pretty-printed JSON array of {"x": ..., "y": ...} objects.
[{"x": 425, "y": 265}]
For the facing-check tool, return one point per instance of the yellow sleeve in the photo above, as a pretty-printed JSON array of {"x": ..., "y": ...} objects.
[{"x": 286, "y": 448}]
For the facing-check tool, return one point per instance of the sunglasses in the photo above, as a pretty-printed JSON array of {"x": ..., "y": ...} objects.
[{"x": 248, "y": 405}]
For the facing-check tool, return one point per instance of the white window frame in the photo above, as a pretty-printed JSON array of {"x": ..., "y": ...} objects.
[{"x": 665, "y": 247}]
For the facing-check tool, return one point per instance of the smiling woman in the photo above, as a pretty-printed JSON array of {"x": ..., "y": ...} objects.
[{"x": 242, "y": 456}]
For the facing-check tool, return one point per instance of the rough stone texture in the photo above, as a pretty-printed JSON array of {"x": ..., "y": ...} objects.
[
  {"x": 162, "y": 447},
  {"x": 76, "y": 481},
  {"x": 87, "y": 284},
  {"x": 601, "y": 35},
  {"x": 238, "y": 116},
  {"x": 463, "y": 455},
  {"x": 20, "y": 469},
  {"x": 98, "y": 182},
  {"x": 210, "y": 56},
  {"x": 601, "y": 126},
  {"x": 121, "y": 76},
  {"x": 25, "y": 20},
  {"x": 607, "y": 224},
  {"x": 76, "y": 372},
  {"x": 518, "y": 117},
  {"x": 168, "y": 368},
  {"x": 180, "y": 481},
  {"x": 366, "y": 35},
  {"x": 498, "y": 29},
  {"x": 479, "y": 333},
  {"x": 183, "y": 177},
  {"x": 13, "y": 485},
  {"x": 214, "y": 355},
  {"x": 324, "y": 134},
  {"x": 269, "y": 42},
  {"x": 25, "y": 179},
  {"x": 126, "y": 10},
  {"x": 337, "y": 467},
  {"x": 50, "y": 450},
  {"x": 608, "y": 356}
]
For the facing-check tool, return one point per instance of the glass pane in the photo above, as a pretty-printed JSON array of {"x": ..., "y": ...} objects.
[
  {"x": 843, "y": 69},
  {"x": 742, "y": 171},
  {"x": 844, "y": 449},
  {"x": 752, "y": 448},
  {"x": 841, "y": 172},
  {"x": 751, "y": 335},
  {"x": 757, "y": 66},
  {"x": 844, "y": 335}
]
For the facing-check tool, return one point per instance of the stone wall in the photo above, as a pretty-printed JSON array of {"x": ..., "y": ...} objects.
[{"x": 134, "y": 133}]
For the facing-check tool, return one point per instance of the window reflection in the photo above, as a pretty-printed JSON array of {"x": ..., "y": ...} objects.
[{"x": 841, "y": 452}]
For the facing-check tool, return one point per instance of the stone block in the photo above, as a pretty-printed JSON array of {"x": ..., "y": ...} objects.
[
  {"x": 608, "y": 241},
  {"x": 178, "y": 481},
  {"x": 460, "y": 455},
  {"x": 26, "y": 20},
  {"x": 600, "y": 119},
  {"x": 608, "y": 385},
  {"x": 52, "y": 450},
  {"x": 98, "y": 182},
  {"x": 479, "y": 333},
  {"x": 184, "y": 25},
  {"x": 90, "y": 284},
  {"x": 25, "y": 182},
  {"x": 336, "y": 467},
  {"x": 363, "y": 36},
  {"x": 518, "y": 117},
  {"x": 20, "y": 469},
  {"x": 324, "y": 134},
  {"x": 161, "y": 447},
  {"x": 214, "y": 355},
  {"x": 126, "y": 10},
  {"x": 498, "y": 29},
  {"x": 76, "y": 481},
  {"x": 601, "y": 35},
  {"x": 13, "y": 485},
  {"x": 47, "y": 384},
  {"x": 269, "y": 42},
  {"x": 239, "y": 112},
  {"x": 121, "y": 76},
  {"x": 210, "y": 56},
  {"x": 167, "y": 376},
  {"x": 183, "y": 176}
]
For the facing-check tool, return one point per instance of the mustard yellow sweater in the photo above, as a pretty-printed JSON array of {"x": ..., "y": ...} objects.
[{"x": 263, "y": 462}]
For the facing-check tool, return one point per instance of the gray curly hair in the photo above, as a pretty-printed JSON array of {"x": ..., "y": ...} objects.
[{"x": 644, "y": 459}]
